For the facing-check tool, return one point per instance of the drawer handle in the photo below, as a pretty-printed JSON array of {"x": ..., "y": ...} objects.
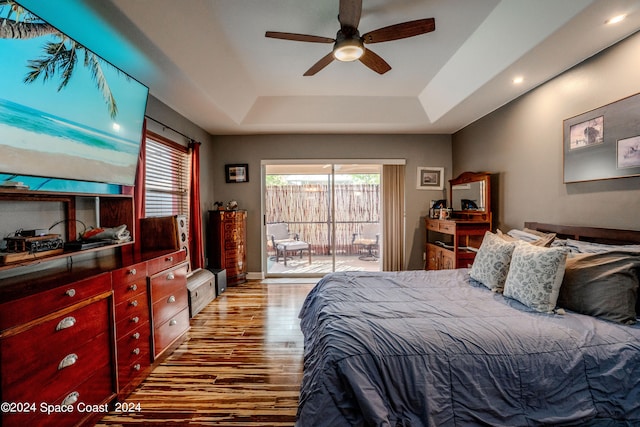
[
  {"x": 134, "y": 303},
  {"x": 69, "y": 359},
  {"x": 171, "y": 299},
  {"x": 136, "y": 336},
  {"x": 169, "y": 259},
  {"x": 71, "y": 398},
  {"x": 70, "y": 292},
  {"x": 65, "y": 323},
  {"x": 133, "y": 271},
  {"x": 133, "y": 287},
  {"x": 173, "y": 322},
  {"x": 135, "y": 319},
  {"x": 137, "y": 366},
  {"x": 136, "y": 351},
  {"x": 171, "y": 276}
]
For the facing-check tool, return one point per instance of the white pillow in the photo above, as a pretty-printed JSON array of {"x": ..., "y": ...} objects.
[
  {"x": 491, "y": 264},
  {"x": 535, "y": 276}
]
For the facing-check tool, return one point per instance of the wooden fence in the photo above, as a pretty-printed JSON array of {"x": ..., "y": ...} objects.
[{"x": 308, "y": 211}]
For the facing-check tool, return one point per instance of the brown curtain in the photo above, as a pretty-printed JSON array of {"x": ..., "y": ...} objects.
[
  {"x": 393, "y": 177},
  {"x": 196, "y": 246}
]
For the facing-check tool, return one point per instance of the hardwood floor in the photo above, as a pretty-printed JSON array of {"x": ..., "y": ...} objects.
[{"x": 241, "y": 364}]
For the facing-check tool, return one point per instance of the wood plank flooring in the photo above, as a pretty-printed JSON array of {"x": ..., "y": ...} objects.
[{"x": 241, "y": 364}]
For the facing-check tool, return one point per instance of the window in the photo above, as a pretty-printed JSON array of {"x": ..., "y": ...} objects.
[{"x": 167, "y": 177}]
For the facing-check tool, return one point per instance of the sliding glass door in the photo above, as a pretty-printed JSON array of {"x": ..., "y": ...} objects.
[{"x": 321, "y": 217}]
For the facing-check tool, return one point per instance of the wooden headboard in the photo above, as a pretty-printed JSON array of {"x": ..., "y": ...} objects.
[{"x": 609, "y": 236}]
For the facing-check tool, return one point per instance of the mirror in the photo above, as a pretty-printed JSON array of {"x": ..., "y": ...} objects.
[{"x": 470, "y": 194}]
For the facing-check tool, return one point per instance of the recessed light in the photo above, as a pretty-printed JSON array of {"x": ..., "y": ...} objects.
[
  {"x": 517, "y": 80},
  {"x": 615, "y": 19}
]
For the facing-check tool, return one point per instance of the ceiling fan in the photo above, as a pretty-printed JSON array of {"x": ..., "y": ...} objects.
[{"x": 349, "y": 45}]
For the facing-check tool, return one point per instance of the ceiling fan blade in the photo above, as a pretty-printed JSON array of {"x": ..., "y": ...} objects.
[
  {"x": 400, "y": 31},
  {"x": 323, "y": 62},
  {"x": 374, "y": 61},
  {"x": 349, "y": 14},
  {"x": 298, "y": 37}
]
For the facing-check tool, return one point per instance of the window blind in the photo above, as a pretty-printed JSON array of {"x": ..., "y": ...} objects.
[{"x": 167, "y": 178}]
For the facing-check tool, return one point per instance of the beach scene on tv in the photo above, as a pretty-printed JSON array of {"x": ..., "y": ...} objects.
[{"x": 64, "y": 111}]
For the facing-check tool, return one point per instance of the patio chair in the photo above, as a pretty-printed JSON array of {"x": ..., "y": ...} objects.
[
  {"x": 285, "y": 242},
  {"x": 369, "y": 240}
]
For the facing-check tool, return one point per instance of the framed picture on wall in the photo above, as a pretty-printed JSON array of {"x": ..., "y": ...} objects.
[
  {"x": 603, "y": 143},
  {"x": 237, "y": 173},
  {"x": 629, "y": 152},
  {"x": 430, "y": 178}
]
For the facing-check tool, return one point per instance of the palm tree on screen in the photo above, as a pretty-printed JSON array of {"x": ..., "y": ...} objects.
[{"x": 60, "y": 55}]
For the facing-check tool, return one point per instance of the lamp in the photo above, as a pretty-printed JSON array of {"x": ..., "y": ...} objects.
[{"x": 348, "y": 48}]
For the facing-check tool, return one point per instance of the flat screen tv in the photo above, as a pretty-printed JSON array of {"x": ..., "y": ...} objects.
[{"x": 64, "y": 111}]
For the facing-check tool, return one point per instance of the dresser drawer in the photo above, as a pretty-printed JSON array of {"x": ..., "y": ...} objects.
[
  {"x": 129, "y": 281},
  {"x": 131, "y": 322},
  {"x": 137, "y": 307},
  {"x": 170, "y": 306},
  {"x": 95, "y": 390},
  {"x": 129, "y": 274},
  {"x": 47, "y": 343},
  {"x": 169, "y": 331},
  {"x": 58, "y": 376},
  {"x": 447, "y": 227},
  {"x": 134, "y": 345},
  {"x": 158, "y": 264},
  {"x": 32, "y": 307},
  {"x": 169, "y": 282},
  {"x": 133, "y": 370},
  {"x": 134, "y": 355}
]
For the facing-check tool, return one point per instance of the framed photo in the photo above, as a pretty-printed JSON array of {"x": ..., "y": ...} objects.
[
  {"x": 603, "y": 143},
  {"x": 629, "y": 152},
  {"x": 587, "y": 133},
  {"x": 430, "y": 178},
  {"x": 237, "y": 173}
]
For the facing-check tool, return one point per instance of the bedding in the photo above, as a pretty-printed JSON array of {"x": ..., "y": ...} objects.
[{"x": 437, "y": 348}]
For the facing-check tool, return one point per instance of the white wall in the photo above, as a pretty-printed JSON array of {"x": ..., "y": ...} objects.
[{"x": 523, "y": 143}]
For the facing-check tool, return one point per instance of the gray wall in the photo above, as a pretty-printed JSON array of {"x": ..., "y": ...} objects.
[
  {"x": 418, "y": 150},
  {"x": 522, "y": 142}
]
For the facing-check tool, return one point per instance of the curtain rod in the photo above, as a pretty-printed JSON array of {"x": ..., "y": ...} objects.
[{"x": 172, "y": 129}]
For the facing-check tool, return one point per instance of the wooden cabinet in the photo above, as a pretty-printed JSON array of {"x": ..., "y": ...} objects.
[
  {"x": 57, "y": 350},
  {"x": 111, "y": 210},
  {"x": 169, "y": 306},
  {"x": 451, "y": 243},
  {"x": 227, "y": 244},
  {"x": 133, "y": 330}
]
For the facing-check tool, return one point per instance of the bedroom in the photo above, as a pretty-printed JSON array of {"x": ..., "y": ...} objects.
[{"x": 520, "y": 141}]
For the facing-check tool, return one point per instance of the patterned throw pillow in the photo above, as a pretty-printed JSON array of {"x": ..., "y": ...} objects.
[
  {"x": 491, "y": 264},
  {"x": 535, "y": 276}
]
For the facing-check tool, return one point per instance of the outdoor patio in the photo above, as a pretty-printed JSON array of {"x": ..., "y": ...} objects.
[{"x": 320, "y": 265}]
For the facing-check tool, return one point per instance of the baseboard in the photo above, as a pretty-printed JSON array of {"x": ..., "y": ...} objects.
[{"x": 258, "y": 275}]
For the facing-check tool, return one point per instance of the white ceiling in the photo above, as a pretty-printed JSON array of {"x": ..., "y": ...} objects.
[{"x": 210, "y": 61}]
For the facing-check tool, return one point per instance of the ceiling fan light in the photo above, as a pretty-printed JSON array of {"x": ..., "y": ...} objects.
[{"x": 348, "y": 50}]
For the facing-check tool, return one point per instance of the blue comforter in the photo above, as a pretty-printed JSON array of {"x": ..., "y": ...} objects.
[{"x": 420, "y": 348}]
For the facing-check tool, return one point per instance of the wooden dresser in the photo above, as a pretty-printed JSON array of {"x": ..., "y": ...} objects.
[
  {"x": 133, "y": 333},
  {"x": 452, "y": 242},
  {"x": 56, "y": 351},
  {"x": 448, "y": 242},
  {"x": 227, "y": 243},
  {"x": 74, "y": 338},
  {"x": 169, "y": 302}
]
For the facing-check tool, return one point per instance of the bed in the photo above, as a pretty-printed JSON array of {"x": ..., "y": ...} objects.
[{"x": 441, "y": 348}]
